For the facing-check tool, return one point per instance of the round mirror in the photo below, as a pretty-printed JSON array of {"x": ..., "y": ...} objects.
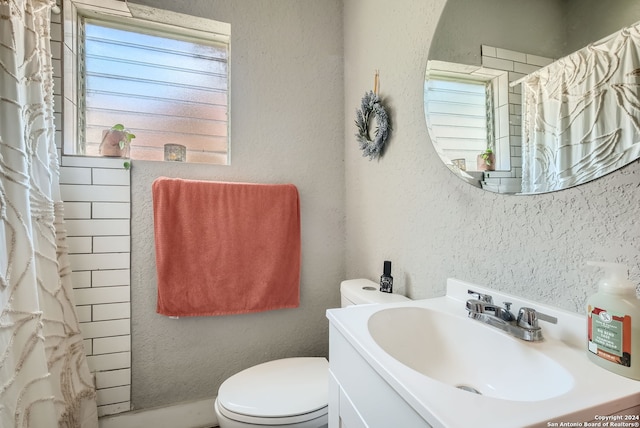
[{"x": 527, "y": 97}]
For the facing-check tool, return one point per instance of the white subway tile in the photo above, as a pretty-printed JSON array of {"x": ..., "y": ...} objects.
[
  {"x": 511, "y": 182},
  {"x": 511, "y": 55},
  {"x": 80, "y": 192},
  {"x": 56, "y": 28},
  {"x": 57, "y": 86},
  {"x": 113, "y": 409},
  {"x": 516, "y": 109},
  {"x": 516, "y": 129},
  {"x": 88, "y": 346},
  {"x": 515, "y": 141},
  {"x": 517, "y": 89},
  {"x": 57, "y": 68},
  {"x": 515, "y": 76},
  {"x": 516, "y": 161},
  {"x": 516, "y": 151},
  {"x": 117, "y": 394},
  {"x": 110, "y": 176},
  {"x": 57, "y": 121},
  {"x": 498, "y": 64},
  {"x": 118, "y": 360},
  {"x": 111, "y": 244},
  {"x": 100, "y": 261},
  {"x": 79, "y": 245},
  {"x": 97, "y": 227},
  {"x": 108, "y": 379},
  {"x": 102, "y": 295},
  {"x": 93, "y": 162},
  {"x": 515, "y": 99},
  {"x": 58, "y": 138},
  {"x": 524, "y": 68},
  {"x": 498, "y": 174},
  {"x": 95, "y": 329},
  {"x": 517, "y": 172},
  {"x": 72, "y": 175},
  {"x": 111, "y": 311},
  {"x": 81, "y": 279},
  {"x": 84, "y": 313},
  {"x": 98, "y": 221},
  {"x": 77, "y": 210},
  {"x": 540, "y": 61},
  {"x": 109, "y": 345},
  {"x": 110, "y": 278},
  {"x": 488, "y": 51},
  {"x": 111, "y": 210}
]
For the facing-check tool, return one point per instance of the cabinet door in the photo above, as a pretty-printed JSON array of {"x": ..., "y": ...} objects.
[
  {"x": 365, "y": 398},
  {"x": 349, "y": 416},
  {"x": 334, "y": 402}
]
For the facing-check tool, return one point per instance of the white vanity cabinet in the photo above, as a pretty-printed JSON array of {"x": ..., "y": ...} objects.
[{"x": 358, "y": 396}]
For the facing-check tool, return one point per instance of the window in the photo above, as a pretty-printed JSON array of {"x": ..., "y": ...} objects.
[
  {"x": 467, "y": 111},
  {"x": 458, "y": 118},
  {"x": 167, "y": 84}
]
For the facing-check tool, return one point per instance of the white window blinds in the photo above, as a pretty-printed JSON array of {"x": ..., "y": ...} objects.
[
  {"x": 163, "y": 87},
  {"x": 458, "y": 117}
]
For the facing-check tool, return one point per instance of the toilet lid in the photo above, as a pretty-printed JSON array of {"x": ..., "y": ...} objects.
[{"x": 277, "y": 389}]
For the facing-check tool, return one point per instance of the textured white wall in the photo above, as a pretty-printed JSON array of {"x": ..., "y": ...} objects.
[
  {"x": 550, "y": 28},
  {"x": 590, "y": 20},
  {"x": 286, "y": 126},
  {"x": 408, "y": 208},
  {"x": 533, "y": 27}
]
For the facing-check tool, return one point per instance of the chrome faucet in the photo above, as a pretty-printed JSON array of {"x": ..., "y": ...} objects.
[{"x": 524, "y": 327}]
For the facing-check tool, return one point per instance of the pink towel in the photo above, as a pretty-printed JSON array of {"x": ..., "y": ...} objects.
[{"x": 226, "y": 248}]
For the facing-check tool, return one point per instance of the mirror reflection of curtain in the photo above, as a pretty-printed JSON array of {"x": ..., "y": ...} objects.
[
  {"x": 44, "y": 376},
  {"x": 581, "y": 115}
]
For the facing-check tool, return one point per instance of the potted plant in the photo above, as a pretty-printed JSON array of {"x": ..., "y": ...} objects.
[
  {"x": 487, "y": 160},
  {"x": 116, "y": 141}
]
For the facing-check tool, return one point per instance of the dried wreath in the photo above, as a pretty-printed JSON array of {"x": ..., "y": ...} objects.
[{"x": 372, "y": 106}]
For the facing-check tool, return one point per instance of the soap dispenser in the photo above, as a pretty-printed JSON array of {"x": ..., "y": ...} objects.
[{"x": 613, "y": 319}]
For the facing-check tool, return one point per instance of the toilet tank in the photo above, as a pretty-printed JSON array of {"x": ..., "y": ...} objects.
[{"x": 364, "y": 291}]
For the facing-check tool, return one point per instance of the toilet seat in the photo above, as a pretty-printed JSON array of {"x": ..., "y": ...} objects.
[{"x": 280, "y": 392}]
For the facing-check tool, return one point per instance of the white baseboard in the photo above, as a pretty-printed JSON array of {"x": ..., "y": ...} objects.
[{"x": 192, "y": 414}]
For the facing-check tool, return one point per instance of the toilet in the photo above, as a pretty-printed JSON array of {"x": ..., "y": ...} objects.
[{"x": 290, "y": 392}]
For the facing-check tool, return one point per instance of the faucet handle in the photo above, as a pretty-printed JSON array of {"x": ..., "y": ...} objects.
[
  {"x": 528, "y": 318},
  {"x": 482, "y": 297},
  {"x": 505, "y": 313}
]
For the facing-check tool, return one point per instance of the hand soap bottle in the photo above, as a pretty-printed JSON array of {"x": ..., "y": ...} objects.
[
  {"x": 613, "y": 322},
  {"x": 386, "y": 280}
]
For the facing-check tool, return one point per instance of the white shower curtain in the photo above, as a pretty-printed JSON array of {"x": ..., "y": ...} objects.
[
  {"x": 581, "y": 115},
  {"x": 44, "y": 377}
]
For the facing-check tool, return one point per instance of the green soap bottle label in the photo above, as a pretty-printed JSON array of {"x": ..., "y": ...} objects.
[{"x": 610, "y": 336}]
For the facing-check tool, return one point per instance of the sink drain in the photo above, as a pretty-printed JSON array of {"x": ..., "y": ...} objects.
[{"x": 469, "y": 389}]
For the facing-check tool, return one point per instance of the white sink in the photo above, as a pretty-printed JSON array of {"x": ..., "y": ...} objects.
[
  {"x": 466, "y": 354},
  {"x": 426, "y": 349}
]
